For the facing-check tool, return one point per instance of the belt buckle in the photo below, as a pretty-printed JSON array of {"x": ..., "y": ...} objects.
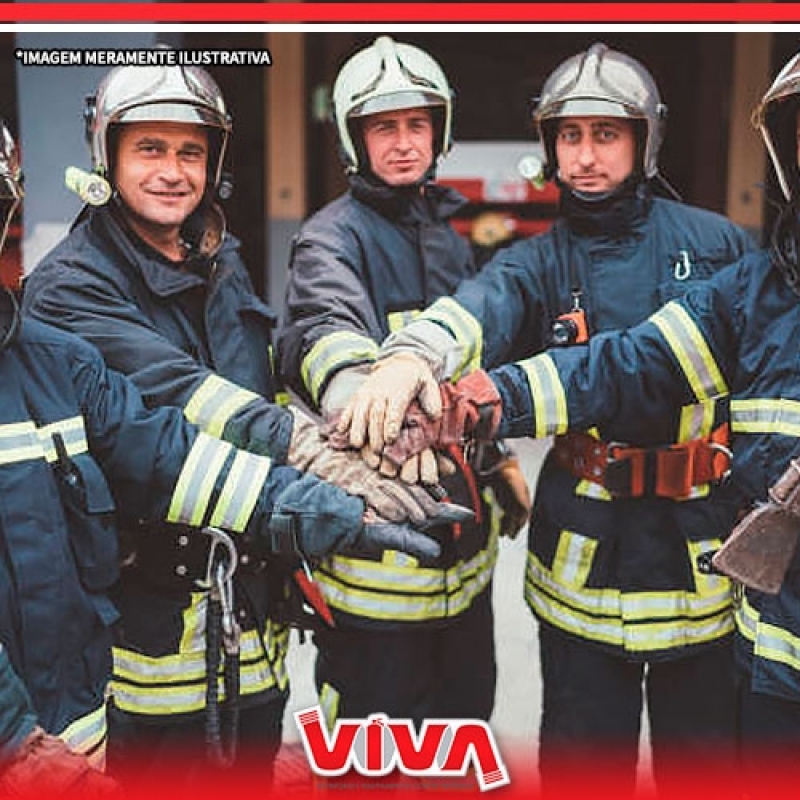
[{"x": 625, "y": 473}]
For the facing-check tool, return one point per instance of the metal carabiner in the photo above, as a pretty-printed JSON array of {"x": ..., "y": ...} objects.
[
  {"x": 728, "y": 453},
  {"x": 219, "y": 539}
]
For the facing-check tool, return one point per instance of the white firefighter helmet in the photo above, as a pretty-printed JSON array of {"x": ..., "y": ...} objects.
[
  {"x": 601, "y": 82},
  {"x": 775, "y": 117},
  {"x": 161, "y": 94},
  {"x": 387, "y": 76},
  {"x": 10, "y": 181}
]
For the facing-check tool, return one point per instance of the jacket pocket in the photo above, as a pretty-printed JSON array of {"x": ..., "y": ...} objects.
[{"x": 89, "y": 510}]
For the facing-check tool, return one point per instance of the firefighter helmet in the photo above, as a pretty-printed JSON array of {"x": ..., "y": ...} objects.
[
  {"x": 10, "y": 181},
  {"x": 387, "y": 76},
  {"x": 607, "y": 83},
  {"x": 775, "y": 117},
  {"x": 161, "y": 94}
]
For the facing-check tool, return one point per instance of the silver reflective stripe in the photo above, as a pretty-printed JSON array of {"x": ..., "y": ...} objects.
[
  {"x": 330, "y": 354},
  {"x": 766, "y": 415},
  {"x": 243, "y": 487},
  {"x": 23, "y": 441},
  {"x": 464, "y": 327},
  {"x": 87, "y": 735},
  {"x": 548, "y": 396},
  {"x": 691, "y": 350},
  {"x": 197, "y": 480},
  {"x": 696, "y": 421},
  {"x": 769, "y": 641},
  {"x": 214, "y": 402},
  {"x": 378, "y": 591},
  {"x": 397, "y": 320}
]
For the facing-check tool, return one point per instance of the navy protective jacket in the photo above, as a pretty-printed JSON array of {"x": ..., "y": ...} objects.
[
  {"x": 617, "y": 572},
  {"x": 736, "y": 338},
  {"x": 200, "y": 340},
  {"x": 67, "y": 424},
  {"x": 362, "y": 267}
]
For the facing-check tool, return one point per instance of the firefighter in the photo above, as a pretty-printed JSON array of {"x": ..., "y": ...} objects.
[
  {"x": 152, "y": 278},
  {"x": 622, "y": 611},
  {"x": 413, "y": 639},
  {"x": 67, "y": 426}
]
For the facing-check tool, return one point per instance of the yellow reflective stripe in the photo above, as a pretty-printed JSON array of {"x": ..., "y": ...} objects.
[
  {"x": 691, "y": 350},
  {"x": 766, "y": 415},
  {"x": 194, "y": 624},
  {"x": 197, "y": 480},
  {"x": 175, "y": 684},
  {"x": 397, "y": 320},
  {"x": 696, "y": 421},
  {"x": 23, "y": 441},
  {"x": 769, "y": 641},
  {"x": 329, "y": 703},
  {"x": 637, "y": 621},
  {"x": 214, "y": 402},
  {"x": 331, "y": 353},
  {"x": 547, "y": 392},
  {"x": 464, "y": 327},
  {"x": 87, "y": 735},
  {"x": 573, "y": 558},
  {"x": 592, "y": 490},
  {"x": 377, "y": 591},
  {"x": 242, "y": 489}
]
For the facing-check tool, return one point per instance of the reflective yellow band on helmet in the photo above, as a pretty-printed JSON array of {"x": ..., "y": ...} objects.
[
  {"x": 464, "y": 328},
  {"x": 330, "y": 354},
  {"x": 691, "y": 350},
  {"x": 214, "y": 402},
  {"x": 197, "y": 480},
  {"x": 766, "y": 415},
  {"x": 242, "y": 489},
  {"x": 634, "y": 621},
  {"x": 547, "y": 394}
]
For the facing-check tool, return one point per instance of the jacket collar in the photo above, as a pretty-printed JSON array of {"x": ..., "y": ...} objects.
[
  {"x": 428, "y": 201},
  {"x": 163, "y": 277}
]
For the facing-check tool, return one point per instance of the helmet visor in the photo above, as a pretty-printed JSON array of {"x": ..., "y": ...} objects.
[
  {"x": 590, "y": 107},
  {"x": 170, "y": 112},
  {"x": 395, "y": 101}
]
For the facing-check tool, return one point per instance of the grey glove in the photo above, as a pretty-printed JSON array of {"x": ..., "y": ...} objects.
[
  {"x": 392, "y": 499},
  {"x": 314, "y": 518}
]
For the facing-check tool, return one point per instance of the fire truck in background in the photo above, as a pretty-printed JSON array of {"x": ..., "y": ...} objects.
[{"x": 507, "y": 202}]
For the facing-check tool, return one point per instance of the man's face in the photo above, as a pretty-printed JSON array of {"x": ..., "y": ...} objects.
[
  {"x": 399, "y": 144},
  {"x": 595, "y": 154},
  {"x": 160, "y": 172}
]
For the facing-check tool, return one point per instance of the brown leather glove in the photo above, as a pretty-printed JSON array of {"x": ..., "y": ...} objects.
[
  {"x": 761, "y": 547},
  {"x": 393, "y": 500},
  {"x": 471, "y": 409},
  {"x": 44, "y": 767},
  {"x": 513, "y": 496}
]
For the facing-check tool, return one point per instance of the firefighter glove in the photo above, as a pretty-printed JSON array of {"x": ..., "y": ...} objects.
[
  {"x": 376, "y": 411},
  {"x": 316, "y": 519},
  {"x": 45, "y": 767},
  {"x": 393, "y": 500},
  {"x": 471, "y": 409}
]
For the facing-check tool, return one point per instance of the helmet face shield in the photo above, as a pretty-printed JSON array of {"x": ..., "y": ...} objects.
[
  {"x": 156, "y": 94},
  {"x": 602, "y": 83},
  {"x": 10, "y": 181},
  {"x": 776, "y": 119},
  {"x": 388, "y": 76}
]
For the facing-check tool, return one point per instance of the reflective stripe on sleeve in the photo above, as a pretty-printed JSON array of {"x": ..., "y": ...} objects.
[
  {"x": 465, "y": 329},
  {"x": 197, "y": 480},
  {"x": 548, "y": 396},
  {"x": 766, "y": 415},
  {"x": 690, "y": 348},
  {"x": 214, "y": 402},
  {"x": 330, "y": 354},
  {"x": 242, "y": 489}
]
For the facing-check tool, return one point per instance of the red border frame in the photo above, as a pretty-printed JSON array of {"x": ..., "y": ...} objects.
[{"x": 283, "y": 12}]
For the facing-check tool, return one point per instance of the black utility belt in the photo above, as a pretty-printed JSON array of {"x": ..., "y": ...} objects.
[{"x": 175, "y": 558}]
